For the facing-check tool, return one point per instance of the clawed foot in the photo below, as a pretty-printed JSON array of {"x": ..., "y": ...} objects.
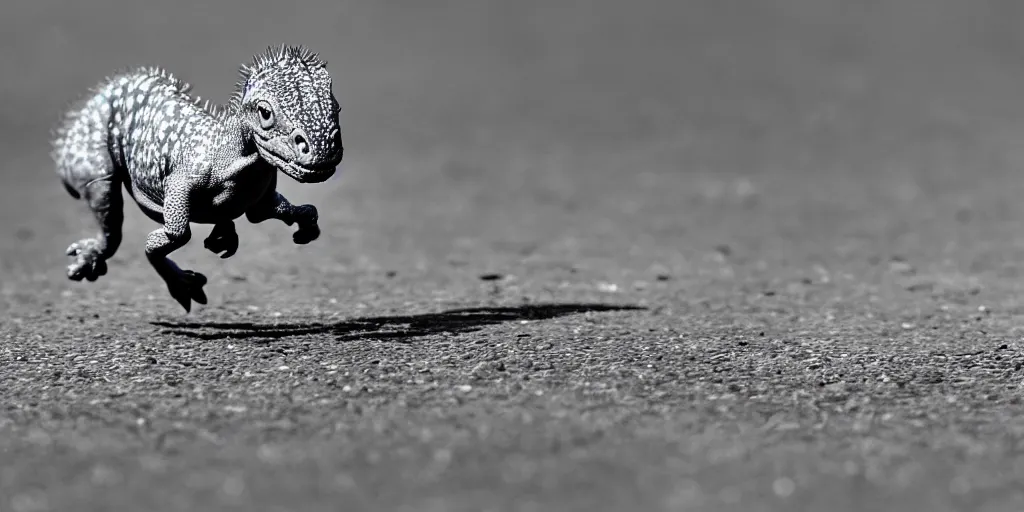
[
  {"x": 307, "y": 220},
  {"x": 306, "y": 234},
  {"x": 223, "y": 239},
  {"x": 186, "y": 286},
  {"x": 88, "y": 263}
]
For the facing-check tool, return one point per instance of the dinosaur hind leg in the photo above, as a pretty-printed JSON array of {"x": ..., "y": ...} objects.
[
  {"x": 90, "y": 255},
  {"x": 87, "y": 172}
]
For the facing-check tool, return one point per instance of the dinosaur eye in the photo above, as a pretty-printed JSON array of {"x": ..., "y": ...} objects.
[{"x": 266, "y": 116}]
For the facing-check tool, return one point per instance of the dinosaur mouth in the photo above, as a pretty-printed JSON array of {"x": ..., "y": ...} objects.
[{"x": 317, "y": 173}]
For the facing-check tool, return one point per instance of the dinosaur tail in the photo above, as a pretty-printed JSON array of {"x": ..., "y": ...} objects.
[
  {"x": 79, "y": 147},
  {"x": 60, "y": 151}
]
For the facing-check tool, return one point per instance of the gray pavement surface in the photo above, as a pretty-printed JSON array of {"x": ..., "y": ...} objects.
[{"x": 721, "y": 255}]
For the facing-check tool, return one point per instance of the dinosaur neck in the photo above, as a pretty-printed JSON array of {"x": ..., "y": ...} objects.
[{"x": 232, "y": 137}]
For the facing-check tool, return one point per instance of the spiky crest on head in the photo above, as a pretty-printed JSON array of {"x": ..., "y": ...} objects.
[
  {"x": 269, "y": 58},
  {"x": 285, "y": 103}
]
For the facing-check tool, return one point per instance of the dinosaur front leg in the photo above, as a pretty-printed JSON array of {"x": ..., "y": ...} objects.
[
  {"x": 184, "y": 285},
  {"x": 223, "y": 239},
  {"x": 275, "y": 206}
]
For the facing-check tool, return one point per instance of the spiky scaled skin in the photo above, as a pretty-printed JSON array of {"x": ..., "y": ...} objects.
[{"x": 185, "y": 161}]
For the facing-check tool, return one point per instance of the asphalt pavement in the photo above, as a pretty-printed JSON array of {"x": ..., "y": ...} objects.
[{"x": 751, "y": 256}]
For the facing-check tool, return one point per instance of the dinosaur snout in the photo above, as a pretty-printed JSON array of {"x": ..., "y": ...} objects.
[
  {"x": 313, "y": 153},
  {"x": 300, "y": 145},
  {"x": 335, "y": 148}
]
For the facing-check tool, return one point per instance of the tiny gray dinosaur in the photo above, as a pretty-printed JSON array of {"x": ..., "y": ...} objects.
[{"x": 184, "y": 160}]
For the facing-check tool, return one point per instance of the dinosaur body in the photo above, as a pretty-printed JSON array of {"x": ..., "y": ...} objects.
[{"x": 183, "y": 161}]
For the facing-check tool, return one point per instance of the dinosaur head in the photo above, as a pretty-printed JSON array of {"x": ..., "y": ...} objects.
[{"x": 285, "y": 98}]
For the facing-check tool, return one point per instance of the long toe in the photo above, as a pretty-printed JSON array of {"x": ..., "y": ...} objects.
[
  {"x": 196, "y": 283},
  {"x": 193, "y": 278},
  {"x": 181, "y": 294},
  {"x": 94, "y": 269},
  {"x": 188, "y": 288},
  {"x": 75, "y": 272},
  {"x": 225, "y": 247},
  {"x": 306, "y": 235},
  {"x": 184, "y": 300}
]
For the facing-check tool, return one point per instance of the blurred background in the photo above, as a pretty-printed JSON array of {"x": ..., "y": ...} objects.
[
  {"x": 570, "y": 116},
  {"x": 808, "y": 78}
]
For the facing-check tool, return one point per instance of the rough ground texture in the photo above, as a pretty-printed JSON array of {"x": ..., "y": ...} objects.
[{"x": 733, "y": 257}]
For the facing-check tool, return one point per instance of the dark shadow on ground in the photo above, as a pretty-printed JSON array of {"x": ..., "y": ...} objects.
[{"x": 397, "y": 328}]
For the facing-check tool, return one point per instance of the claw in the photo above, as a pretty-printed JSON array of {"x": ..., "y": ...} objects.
[
  {"x": 306, "y": 217},
  {"x": 88, "y": 264},
  {"x": 98, "y": 268},
  {"x": 222, "y": 242},
  {"x": 222, "y": 247},
  {"x": 306, "y": 234},
  {"x": 186, "y": 288}
]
